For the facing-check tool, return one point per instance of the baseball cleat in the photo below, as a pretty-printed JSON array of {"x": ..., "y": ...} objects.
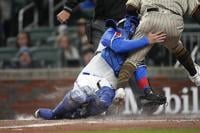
[
  {"x": 196, "y": 78},
  {"x": 37, "y": 113},
  {"x": 152, "y": 98}
]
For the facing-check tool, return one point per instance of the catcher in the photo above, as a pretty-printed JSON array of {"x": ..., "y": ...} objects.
[{"x": 94, "y": 89}]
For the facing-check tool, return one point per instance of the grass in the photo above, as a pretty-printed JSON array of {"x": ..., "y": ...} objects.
[{"x": 182, "y": 130}]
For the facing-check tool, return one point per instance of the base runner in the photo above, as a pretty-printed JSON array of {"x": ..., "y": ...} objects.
[{"x": 166, "y": 16}]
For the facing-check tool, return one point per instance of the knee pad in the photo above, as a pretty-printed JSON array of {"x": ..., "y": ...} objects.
[
  {"x": 105, "y": 95},
  {"x": 71, "y": 101},
  {"x": 78, "y": 96},
  {"x": 104, "y": 98}
]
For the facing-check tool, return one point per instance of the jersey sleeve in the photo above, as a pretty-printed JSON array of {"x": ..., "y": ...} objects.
[
  {"x": 135, "y": 3},
  {"x": 120, "y": 45},
  {"x": 108, "y": 36},
  {"x": 70, "y": 4}
]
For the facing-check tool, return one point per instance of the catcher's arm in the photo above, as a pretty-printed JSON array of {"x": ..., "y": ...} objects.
[{"x": 121, "y": 45}]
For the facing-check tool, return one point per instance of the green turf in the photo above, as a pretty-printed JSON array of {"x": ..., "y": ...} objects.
[{"x": 145, "y": 131}]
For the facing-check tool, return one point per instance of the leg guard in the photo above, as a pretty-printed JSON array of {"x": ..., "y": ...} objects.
[
  {"x": 71, "y": 101},
  {"x": 44, "y": 113},
  {"x": 103, "y": 100}
]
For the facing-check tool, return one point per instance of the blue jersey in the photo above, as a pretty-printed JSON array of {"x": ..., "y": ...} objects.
[{"x": 117, "y": 47}]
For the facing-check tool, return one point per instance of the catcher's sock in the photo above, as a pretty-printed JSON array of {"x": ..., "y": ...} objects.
[{"x": 141, "y": 78}]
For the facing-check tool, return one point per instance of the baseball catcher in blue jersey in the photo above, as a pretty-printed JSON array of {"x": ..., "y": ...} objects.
[{"x": 94, "y": 89}]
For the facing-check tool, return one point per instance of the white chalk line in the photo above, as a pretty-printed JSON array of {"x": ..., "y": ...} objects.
[
  {"x": 88, "y": 122},
  {"x": 35, "y": 125}
]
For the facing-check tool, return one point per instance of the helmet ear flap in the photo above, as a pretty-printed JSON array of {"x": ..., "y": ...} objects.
[{"x": 111, "y": 23}]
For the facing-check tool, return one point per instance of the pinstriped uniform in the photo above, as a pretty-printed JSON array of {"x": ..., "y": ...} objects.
[{"x": 169, "y": 19}]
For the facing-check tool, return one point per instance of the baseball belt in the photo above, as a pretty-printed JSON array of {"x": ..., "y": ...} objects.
[{"x": 161, "y": 11}]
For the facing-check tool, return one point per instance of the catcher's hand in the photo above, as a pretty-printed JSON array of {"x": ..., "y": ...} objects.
[
  {"x": 63, "y": 16},
  {"x": 158, "y": 37},
  {"x": 119, "y": 96}
]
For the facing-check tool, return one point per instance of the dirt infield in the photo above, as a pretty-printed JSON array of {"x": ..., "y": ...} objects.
[{"x": 60, "y": 126}]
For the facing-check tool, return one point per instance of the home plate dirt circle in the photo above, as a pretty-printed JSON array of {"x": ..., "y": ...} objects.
[{"x": 41, "y": 126}]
